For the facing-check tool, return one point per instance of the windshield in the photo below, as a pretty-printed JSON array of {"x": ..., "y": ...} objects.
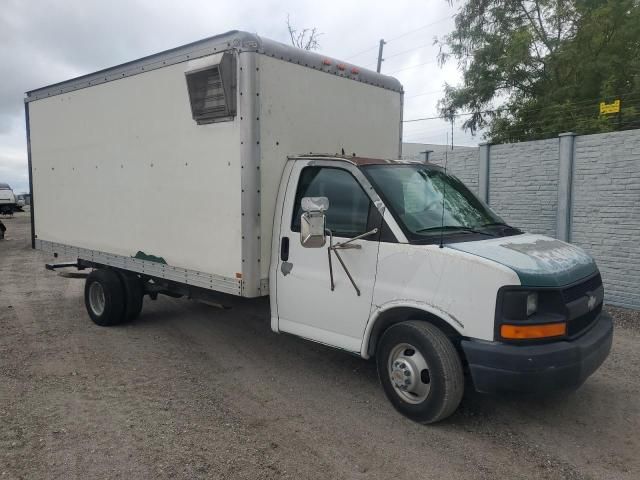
[{"x": 414, "y": 193}]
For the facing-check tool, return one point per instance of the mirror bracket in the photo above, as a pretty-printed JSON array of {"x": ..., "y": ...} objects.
[{"x": 346, "y": 245}]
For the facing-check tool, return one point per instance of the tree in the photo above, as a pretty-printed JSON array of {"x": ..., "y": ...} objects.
[
  {"x": 535, "y": 68},
  {"x": 307, "y": 38}
]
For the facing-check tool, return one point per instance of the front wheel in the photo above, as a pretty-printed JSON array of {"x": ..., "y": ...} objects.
[{"x": 420, "y": 371}]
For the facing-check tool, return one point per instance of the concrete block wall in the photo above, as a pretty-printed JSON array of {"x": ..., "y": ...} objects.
[
  {"x": 461, "y": 162},
  {"x": 605, "y": 210},
  {"x": 523, "y": 184},
  {"x": 581, "y": 189}
]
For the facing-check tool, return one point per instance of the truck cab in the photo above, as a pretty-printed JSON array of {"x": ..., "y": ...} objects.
[{"x": 401, "y": 262}]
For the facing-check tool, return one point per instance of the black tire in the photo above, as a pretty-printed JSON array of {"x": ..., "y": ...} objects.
[
  {"x": 443, "y": 381},
  {"x": 109, "y": 283},
  {"x": 133, "y": 294}
]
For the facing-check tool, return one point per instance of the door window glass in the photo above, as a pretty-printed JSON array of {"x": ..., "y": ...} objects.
[{"x": 348, "y": 203}]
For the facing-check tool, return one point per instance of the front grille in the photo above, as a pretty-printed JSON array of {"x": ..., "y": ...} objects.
[
  {"x": 580, "y": 324},
  {"x": 576, "y": 291}
]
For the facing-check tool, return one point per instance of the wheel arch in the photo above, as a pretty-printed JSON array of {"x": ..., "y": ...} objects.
[{"x": 395, "y": 312}]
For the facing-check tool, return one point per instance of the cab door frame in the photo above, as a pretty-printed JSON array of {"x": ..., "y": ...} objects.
[{"x": 288, "y": 188}]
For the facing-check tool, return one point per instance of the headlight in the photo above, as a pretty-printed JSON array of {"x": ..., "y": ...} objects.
[
  {"x": 532, "y": 303},
  {"x": 521, "y": 303},
  {"x": 528, "y": 314},
  {"x": 518, "y": 304}
]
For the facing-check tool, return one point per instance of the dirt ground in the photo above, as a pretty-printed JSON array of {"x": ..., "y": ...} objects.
[{"x": 192, "y": 391}]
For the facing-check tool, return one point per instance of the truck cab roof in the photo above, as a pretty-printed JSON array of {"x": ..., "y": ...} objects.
[{"x": 360, "y": 161}]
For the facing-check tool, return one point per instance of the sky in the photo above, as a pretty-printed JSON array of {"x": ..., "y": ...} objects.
[{"x": 48, "y": 41}]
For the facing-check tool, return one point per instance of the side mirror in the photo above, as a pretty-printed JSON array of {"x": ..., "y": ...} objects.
[{"x": 313, "y": 220}]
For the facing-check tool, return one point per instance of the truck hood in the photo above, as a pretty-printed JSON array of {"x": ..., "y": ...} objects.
[{"x": 538, "y": 261}]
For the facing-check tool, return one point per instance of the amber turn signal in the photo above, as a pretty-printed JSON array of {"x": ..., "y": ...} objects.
[{"x": 521, "y": 332}]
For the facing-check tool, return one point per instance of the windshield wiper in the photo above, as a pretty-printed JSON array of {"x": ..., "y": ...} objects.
[
  {"x": 454, "y": 227},
  {"x": 504, "y": 226},
  {"x": 496, "y": 224}
]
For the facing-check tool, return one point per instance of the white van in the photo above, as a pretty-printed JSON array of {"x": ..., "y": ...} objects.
[{"x": 8, "y": 203}]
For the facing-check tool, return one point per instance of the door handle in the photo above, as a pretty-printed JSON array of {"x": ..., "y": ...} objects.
[
  {"x": 284, "y": 249},
  {"x": 348, "y": 246}
]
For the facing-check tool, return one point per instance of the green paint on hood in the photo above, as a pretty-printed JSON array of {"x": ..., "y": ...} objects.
[
  {"x": 151, "y": 258},
  {"x": 538, "y": 261}
]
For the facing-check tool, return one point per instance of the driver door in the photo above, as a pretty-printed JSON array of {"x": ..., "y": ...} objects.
[{"x": 306, "y": 305}]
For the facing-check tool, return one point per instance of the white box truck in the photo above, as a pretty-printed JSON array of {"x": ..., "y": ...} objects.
[
  {"x": 239, "y": 166},
  {"x": 8, "y": 202}
]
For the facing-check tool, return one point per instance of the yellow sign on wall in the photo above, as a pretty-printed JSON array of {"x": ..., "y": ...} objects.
[{"x": 606, "y": 108}]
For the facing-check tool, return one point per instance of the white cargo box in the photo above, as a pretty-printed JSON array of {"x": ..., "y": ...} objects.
[{"x": 170, "y": 165}]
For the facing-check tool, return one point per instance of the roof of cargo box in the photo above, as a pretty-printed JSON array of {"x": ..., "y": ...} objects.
[{"x": 235, "y": 39}]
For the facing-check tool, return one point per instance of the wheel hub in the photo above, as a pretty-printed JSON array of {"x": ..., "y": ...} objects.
[
  {"x": 403, "y": 374},
  {"x": 409, "y": 373},
  {"x": 97, "y": 299}
]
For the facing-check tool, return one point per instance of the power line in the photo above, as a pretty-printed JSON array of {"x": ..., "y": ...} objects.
[
  {"x": 579, "y": 115},
  {"x": 533, "y": 130},
  {"x": 368, "y": 65},
  {"x": 532, "y": 134},
  {"x": 399, "y": 36},
  {"x": 387, "y": 57},
  {"x": 420, "y": 28},
  {"x": 423, "y": 93},
  {"x": 433, "y": 128},
  {"x": 571, "y": 106},
  {"x": 440, "y": 117},
  {"x": 410, "y": 67},
  {"x": 360, "y": 53},
  {"x": 421, "y": 139},
  {"x": 532, "y": 126}
]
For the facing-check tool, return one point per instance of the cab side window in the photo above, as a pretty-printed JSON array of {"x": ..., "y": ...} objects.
[{"x": 349, "y": 205}]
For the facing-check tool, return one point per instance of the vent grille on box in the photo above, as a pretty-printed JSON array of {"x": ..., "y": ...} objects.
[
  {"x": 212, "y": 91},
  {"x": 207, "y": 95}
]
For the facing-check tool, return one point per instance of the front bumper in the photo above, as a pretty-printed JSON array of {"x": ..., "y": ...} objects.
[{"x": 498, "y": 367}]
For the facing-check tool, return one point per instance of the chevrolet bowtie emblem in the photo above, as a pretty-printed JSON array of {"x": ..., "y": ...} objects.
[{"x": 591, "y": 303}]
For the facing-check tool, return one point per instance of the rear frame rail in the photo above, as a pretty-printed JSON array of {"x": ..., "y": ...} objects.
[{"x": 56, "y": 266}]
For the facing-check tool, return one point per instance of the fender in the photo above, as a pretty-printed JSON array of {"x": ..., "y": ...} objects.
[{"x": 405, "y": 307}]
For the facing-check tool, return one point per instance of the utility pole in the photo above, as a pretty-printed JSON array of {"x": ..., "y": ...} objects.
[{"x": 382, "y": 43}]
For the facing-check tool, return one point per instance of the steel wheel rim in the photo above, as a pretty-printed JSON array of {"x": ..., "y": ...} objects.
[
  {"x": 96, "y": 298},
  {"x": 409, "y": 373}
]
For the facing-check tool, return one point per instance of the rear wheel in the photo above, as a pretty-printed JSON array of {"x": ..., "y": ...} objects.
[
  {"x": 133, "y": 293},
  {"x": 104, "y": 297},
  {"x": 420, "y": 371}
]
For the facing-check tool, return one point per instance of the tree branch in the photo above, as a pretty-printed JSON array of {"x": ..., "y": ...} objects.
[
  {"x": 541, "y": 34},
  {"x": 307, "y": 39}
]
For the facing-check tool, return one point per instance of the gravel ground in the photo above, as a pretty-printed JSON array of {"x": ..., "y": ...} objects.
[
  {"x": 191, "y": 391},
  {"x": 626, "y": 319}
]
